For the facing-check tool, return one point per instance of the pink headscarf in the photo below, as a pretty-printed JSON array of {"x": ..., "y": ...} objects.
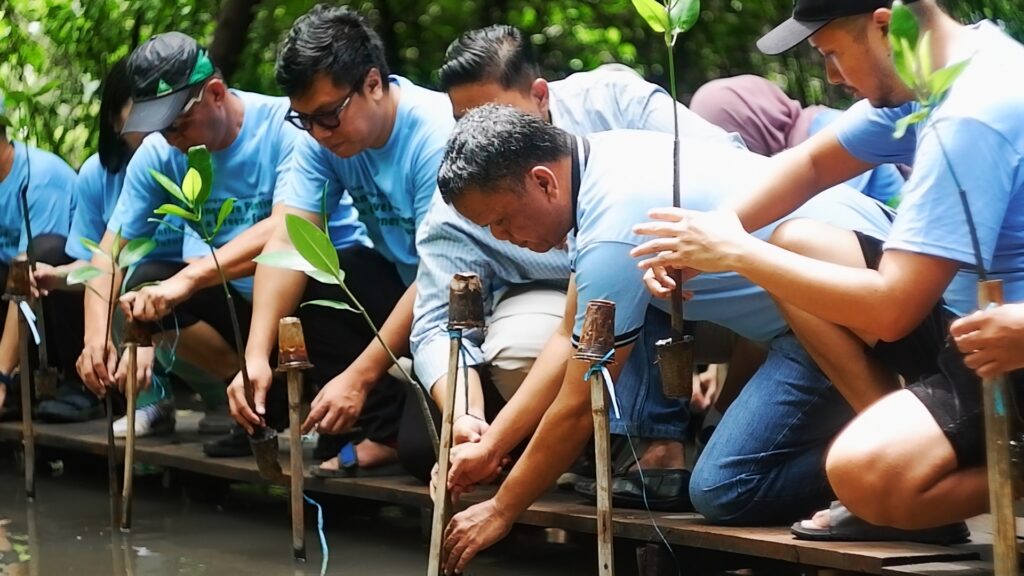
[{"x": 756, "y": 109}]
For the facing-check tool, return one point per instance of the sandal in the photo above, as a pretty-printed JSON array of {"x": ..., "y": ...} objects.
[
  {"x": 843, "y": 526},
  {"x": 667, "y": 490},
  {"x": 349, "y": 466},
  {"x": 72, "y": 404}
]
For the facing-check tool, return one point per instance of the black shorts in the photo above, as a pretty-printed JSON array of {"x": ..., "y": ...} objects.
[{"x": 936, "y": 374}]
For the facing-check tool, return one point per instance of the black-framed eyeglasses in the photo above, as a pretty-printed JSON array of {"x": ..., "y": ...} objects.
[
  {"x": 328, "y": 120},
  {"x": 176, "y": 125}
]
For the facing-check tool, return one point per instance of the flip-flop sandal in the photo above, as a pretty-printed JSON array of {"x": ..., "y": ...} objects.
[
  {"x": 349, "y": 467},
  {"x": 72, "y": 404},
  {"x": 845, "y": 527},
  {"x": 668, "y": 490}
]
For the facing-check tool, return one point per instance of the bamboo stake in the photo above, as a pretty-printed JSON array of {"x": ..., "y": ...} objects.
[
  {"x": 996, "y": 395},
  {"x": 465, "y": 311},
  {"x": 596, "y": 342},
  {"x": 129, "y": 443},
  {"x": 293, "y": 359},
  {"x": 17, "y": 292}
]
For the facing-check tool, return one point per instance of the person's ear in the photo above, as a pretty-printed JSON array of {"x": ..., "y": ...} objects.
[
  {"x": 217, "y": 89},
  {"x": 373, "y": 84},
  {"x": 546, "y": 181},
  {"x": 540, "y": 95}
]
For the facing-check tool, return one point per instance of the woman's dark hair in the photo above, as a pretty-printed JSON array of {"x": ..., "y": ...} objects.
[
  {"x": 496, "y": 53},
  {"x": 114, "y": 152},
  {"x": 329, "y": 39}
]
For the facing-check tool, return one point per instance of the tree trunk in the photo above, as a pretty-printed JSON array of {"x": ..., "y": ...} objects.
[{"x": 231, "y": 34}]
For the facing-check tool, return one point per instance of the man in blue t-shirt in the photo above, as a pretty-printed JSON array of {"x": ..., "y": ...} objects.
[
  {"x": 374, "y": 140},
  {"x": 537, "y": 187},
  {"x": 47, "y": 183},
  {"x": 913, "y": 458}
]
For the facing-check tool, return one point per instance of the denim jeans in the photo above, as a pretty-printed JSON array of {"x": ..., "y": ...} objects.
[
  {"x": 765, "y": 461},
  {"x": 646, "y": 411}
]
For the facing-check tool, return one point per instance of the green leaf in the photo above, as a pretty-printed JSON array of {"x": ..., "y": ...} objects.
[
  {"x": 164, "y": 222},
  {"x": 170, "y": 186},
  {"x": 292, "y": 260},
  {"x": 191, "y": 185},
  {"x": 654, "y": 13},
  {"x": 924, "y": 57},
  {"x": 83, "y": 275},
  {"x": 943, "y": 79},
  {"x": 903, "y": 61},
  {"x": 175, "y": 210},
  {"x": 200, "y": 160},
  {"x": 134, "y": 251},
  {"x": 313, "y": 244},
  {"x": 907, "y": 121},
  {"x": 93, "y": 247},
  {"x": 330, "y": 304},
  {"x": 46, "y": 88},
  {"x": 222, "y": 215},
  {"x": 903, "y": 25},
  {"x": 115, "y": 248},
  {"x": 682, "y": 15}
]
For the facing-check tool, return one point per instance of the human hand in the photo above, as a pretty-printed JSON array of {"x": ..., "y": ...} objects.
[
  {"x": 472, "y": 530},
  {"x": 96, "y": 366},
  {"x": 468, "y": 428},
  {"x": 705, "y": 241},
  {"x": 144, "y": 358},
  {"x": 337, "y": 406},
  {"x": 151, "y": 303},
  {"x": 470, "y": 464},
  {"x": 705, "y": 389},
  {"x": 45, "y": 279},
  {"x": 261, "y": 377},
  {"x": 991, "y": 340}
]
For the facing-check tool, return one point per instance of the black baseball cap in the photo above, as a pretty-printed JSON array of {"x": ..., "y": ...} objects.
[
  {"x": 162, "y": 72},
  {"x": 809, "y": 16}
]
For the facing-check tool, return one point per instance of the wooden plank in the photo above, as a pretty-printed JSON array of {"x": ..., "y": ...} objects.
[{"x": 557, "y": 509}]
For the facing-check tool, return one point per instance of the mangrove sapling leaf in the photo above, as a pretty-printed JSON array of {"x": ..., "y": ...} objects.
[
  {"x": 654, "y": 13},
  {"x": 682, "y": 15},
  {"x": 907, "y": 121},
  {"x": 83, "y": 275},
  {"x": 168, "y": 185},
  {"x": 164, "y": 222},
  {"x": 292, "y": 260},
  {"x": 942, "y": 80},
  {"x": 93, "y": 247},
  {"x": 313, "y": 244},
  {"x": 200, "y": 160},
  {"x": 191, "y": 186},
  {"x": 175, "y": 210},
  {"x": 223, "y": 213},
  {"x": 134, "y": 251},
  {"x": 331, "y": 304}
]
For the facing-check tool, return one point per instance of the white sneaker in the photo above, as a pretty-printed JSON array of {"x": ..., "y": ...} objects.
[{"x": 151, "y": 420}]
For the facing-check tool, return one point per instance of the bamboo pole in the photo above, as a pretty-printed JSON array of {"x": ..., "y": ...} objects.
[
  {"x": 997, "y": 399},
  {"x": 129, "y": 442},
  {"x": 465, "y": 311},
  {"x": 18, "y": 293},
  {"x": 293, "y": 358},
  {"x": 597, "y": 341}
]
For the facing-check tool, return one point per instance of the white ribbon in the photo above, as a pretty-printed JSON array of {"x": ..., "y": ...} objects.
[
  {"x": 30, "y": 319},
  {"x": 611, "y": 390}
]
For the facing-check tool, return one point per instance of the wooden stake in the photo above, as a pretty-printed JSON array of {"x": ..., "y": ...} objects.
[
  {"x": 596, "y": 340},
  {"x": 465, "y": 310},
  {"x": 997, "y": 400},
  {"x": 129, "y": 441},
  {"x": 28, "y": 437},
  {"x": 293, "y": 359}
]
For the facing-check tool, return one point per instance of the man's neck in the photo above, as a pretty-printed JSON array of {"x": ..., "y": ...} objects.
[
  {"x": 236, "y": 117},
  {"x": 388, "y": 116},
  {"x": 948, "y": 37},
  {"x": 6, "y": 158}
]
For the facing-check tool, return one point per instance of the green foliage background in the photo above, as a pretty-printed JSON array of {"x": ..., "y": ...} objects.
[{"x": 53, "y": 52}]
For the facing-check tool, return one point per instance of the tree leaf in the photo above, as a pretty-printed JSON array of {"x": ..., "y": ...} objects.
[
  {"x": 330, "y": 304},
  {"x": 682, "y": 15},
  {"x": 903, "y": 25},
  {"x": 134, "y": 251},
  {"x": 168, "y": 185},
  {"x": 943, "y": 79},
  {"x": 165, "y": 223},
  {"x": 903, "y": 61},
  {"x": 907, "y": 121},
  {"x": 190, "y": 187},
  {"x": 287, "y": 259},
  {"x": 83, "y": 275},
  {"x": 924, "y": 57},
  {"x": 175, "y": 210},
  {"x": 93, "y": 247},
  {"x": 313, "y": 244},
  {"x": 223, "y": 213},
  {"x": 654, "y": 13},
  {"x": 200, "y": 160}
]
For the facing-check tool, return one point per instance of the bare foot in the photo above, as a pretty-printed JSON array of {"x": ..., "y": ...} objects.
[
  {"x": 820, "y": 521},
  {"x": 369, "y": 454},
  {"x": 666, "y": 454}
]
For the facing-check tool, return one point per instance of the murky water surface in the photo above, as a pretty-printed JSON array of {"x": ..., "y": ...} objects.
[{"x": 67, "y": 531}]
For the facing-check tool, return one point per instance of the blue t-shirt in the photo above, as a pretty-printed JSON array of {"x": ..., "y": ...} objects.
[
  {"x": 391, "y": 186},
  {"x": 980, "y": 128},
  {"x": 96, "y": 191},
  {"x": 883, "y": 183},
  {"x": 629, "y": 173},
  {"x": 51, "y": 199}
]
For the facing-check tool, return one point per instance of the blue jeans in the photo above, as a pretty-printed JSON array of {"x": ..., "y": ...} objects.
[
  {"x": 765, "y": 461},
  {"x": 646, "y": 411}
]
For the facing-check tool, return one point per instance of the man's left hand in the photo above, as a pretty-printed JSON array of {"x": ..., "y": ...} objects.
[{"x": 470, "y": 531}]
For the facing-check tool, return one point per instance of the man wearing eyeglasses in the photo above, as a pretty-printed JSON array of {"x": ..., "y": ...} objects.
[
  {"x": 180, "y": 98},
  {"x": 377, "y": 139}
]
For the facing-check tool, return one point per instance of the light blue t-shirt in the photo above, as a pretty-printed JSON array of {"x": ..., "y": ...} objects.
[
  {"x": 96, "y": 191},
  {"x": 252, "y": 170},
  {"x": 51, "y": 199},
  {"x": 629, "y": 173},
  {"x": 980, "y": 127},
  {"x": 391, "y": 186},
  {"x": 882, "y": 183}
]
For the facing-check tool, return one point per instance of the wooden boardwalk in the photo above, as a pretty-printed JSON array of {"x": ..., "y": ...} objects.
[{"x": 558, "y": 510}]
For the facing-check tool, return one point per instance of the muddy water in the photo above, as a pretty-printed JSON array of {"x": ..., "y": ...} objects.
[{"x": 67, "y": 531}]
